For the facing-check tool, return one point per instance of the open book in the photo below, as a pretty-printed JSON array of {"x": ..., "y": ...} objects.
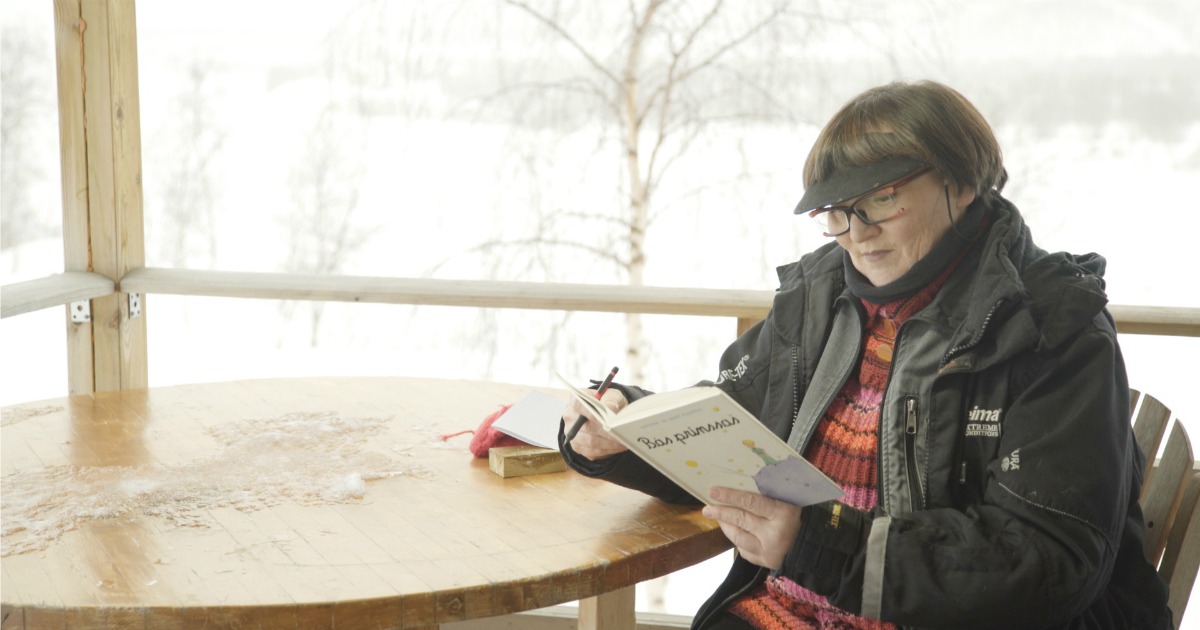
[{"x": 700, "y": 438}]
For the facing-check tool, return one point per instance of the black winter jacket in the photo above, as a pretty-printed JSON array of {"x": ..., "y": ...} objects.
[{"x": 1008, "y": 472}]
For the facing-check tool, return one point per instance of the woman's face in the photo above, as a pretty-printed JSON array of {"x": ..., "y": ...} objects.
[{"x": 884, "y": 252}]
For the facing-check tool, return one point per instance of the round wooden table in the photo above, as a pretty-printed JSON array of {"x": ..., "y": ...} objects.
[{"x": 307, "y": 503}]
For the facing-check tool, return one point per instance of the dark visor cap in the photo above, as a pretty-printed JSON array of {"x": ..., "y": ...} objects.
[{"x": 850, "y": 183}]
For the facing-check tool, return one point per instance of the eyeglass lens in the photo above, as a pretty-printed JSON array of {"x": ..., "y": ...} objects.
[{"x": 874, "y": 208}]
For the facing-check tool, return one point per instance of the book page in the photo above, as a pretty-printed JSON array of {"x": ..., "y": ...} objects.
[{"x": 587, "y": 397}]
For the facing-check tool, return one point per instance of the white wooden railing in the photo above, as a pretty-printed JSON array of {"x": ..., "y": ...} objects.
[{"x": 747, "y": 306}]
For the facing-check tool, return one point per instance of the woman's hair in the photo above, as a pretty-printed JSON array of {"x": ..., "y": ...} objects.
[{"x": 926, "y": 120}]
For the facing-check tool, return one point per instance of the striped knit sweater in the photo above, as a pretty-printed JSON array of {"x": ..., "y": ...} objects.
[{"x": 845, "y": 447}]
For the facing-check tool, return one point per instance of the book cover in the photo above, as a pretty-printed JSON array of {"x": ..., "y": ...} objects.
[{"x": 700, "y": 437}]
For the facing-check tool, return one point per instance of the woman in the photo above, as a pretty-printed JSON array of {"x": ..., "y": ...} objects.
[{"x": 963, "y": 386}]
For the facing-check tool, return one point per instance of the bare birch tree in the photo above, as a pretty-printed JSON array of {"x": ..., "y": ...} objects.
[{"x": 651, "y": 78}]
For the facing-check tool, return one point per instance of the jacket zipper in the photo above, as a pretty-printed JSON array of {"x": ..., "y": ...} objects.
[
  {"x": 975, "y": 339},
  {"x": 795, "y": 385},
  {"x": 915, "y": 492}
]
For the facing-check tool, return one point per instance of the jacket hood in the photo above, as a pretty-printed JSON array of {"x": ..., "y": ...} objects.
[{"x": 1027, "y": 294}]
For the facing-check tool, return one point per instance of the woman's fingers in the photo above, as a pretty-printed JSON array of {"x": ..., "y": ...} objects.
[
  {"x": 593, "y": 441},
  {"x": 763, "y": 529}
]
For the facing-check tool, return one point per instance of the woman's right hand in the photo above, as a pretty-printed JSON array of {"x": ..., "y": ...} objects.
[{"x": 593, "y": 441}]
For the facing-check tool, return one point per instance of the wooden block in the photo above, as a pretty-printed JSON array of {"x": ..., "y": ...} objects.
[
  {"x": 12, "y": 618},
  {"x": 518, "y": 461}
]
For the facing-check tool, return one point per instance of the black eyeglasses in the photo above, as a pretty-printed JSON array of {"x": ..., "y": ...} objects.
[{"x": 873, "y": 208}]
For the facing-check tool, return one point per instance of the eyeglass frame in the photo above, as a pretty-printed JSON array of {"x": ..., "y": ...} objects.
[{"x": 850, "y": 209}]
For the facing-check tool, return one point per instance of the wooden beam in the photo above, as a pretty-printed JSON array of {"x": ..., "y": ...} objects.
[
  {"x": 68, "y": 43},
  {"x": 129, "y": 250},
  {"x": 476, "y": 293},
  {"x": 1157, "y": 320},
  {"x": 56, "y": 290},
  {"x": 748, "y": 306},
  {"x": 96, "y": 48}
]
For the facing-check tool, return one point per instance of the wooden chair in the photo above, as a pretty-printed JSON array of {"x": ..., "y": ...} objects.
[{"x": 1169, "y": 501}]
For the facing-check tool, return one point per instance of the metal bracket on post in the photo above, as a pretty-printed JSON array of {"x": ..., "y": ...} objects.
[
  {"x": 81, "y": 312},
  {"x": 135, "y": 305}
]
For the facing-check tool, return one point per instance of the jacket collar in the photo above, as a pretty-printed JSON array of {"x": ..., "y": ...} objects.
[
  {"x": 807, "y": 289},
  {"x": 1007, "y": 289}
]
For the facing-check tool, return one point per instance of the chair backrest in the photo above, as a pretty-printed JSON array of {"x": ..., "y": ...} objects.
[
  {"x": 1169, "y": 499},
  {"x": 1149, "y": 427},
  {"x": 1161, "y": 501},
  {"x": 1181, "y": 559}
]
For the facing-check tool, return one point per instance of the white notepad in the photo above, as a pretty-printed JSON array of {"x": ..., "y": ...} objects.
[{"x": 533, "y": 419}]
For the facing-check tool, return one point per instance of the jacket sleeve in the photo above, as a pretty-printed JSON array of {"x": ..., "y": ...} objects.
[
  {"x": 739, "y": 361},
  {"x": 1037, "y": 550}
]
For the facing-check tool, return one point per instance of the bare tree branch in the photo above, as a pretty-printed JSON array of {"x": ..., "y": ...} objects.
[
  {"x": 567, "y": 37},
  {"x": 664, "y": 93},
  {"x": 677, "y": 56},
  {"x": 678, "y": 70}
]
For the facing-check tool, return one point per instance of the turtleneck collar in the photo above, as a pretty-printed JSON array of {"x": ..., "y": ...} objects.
[{"x": 943, "y": 253}]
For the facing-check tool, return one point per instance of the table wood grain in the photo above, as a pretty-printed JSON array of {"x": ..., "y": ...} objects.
[{"x": 304, "y": 503}]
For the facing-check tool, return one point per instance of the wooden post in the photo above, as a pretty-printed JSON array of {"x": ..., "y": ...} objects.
[
  {"x": 609, "y": 611},
  {"x": 100, "y": 135},
  {"x": 746, "y": 323}
]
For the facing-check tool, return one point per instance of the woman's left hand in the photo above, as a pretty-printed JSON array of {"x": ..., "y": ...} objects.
[{"x": 761, "y": 528}]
